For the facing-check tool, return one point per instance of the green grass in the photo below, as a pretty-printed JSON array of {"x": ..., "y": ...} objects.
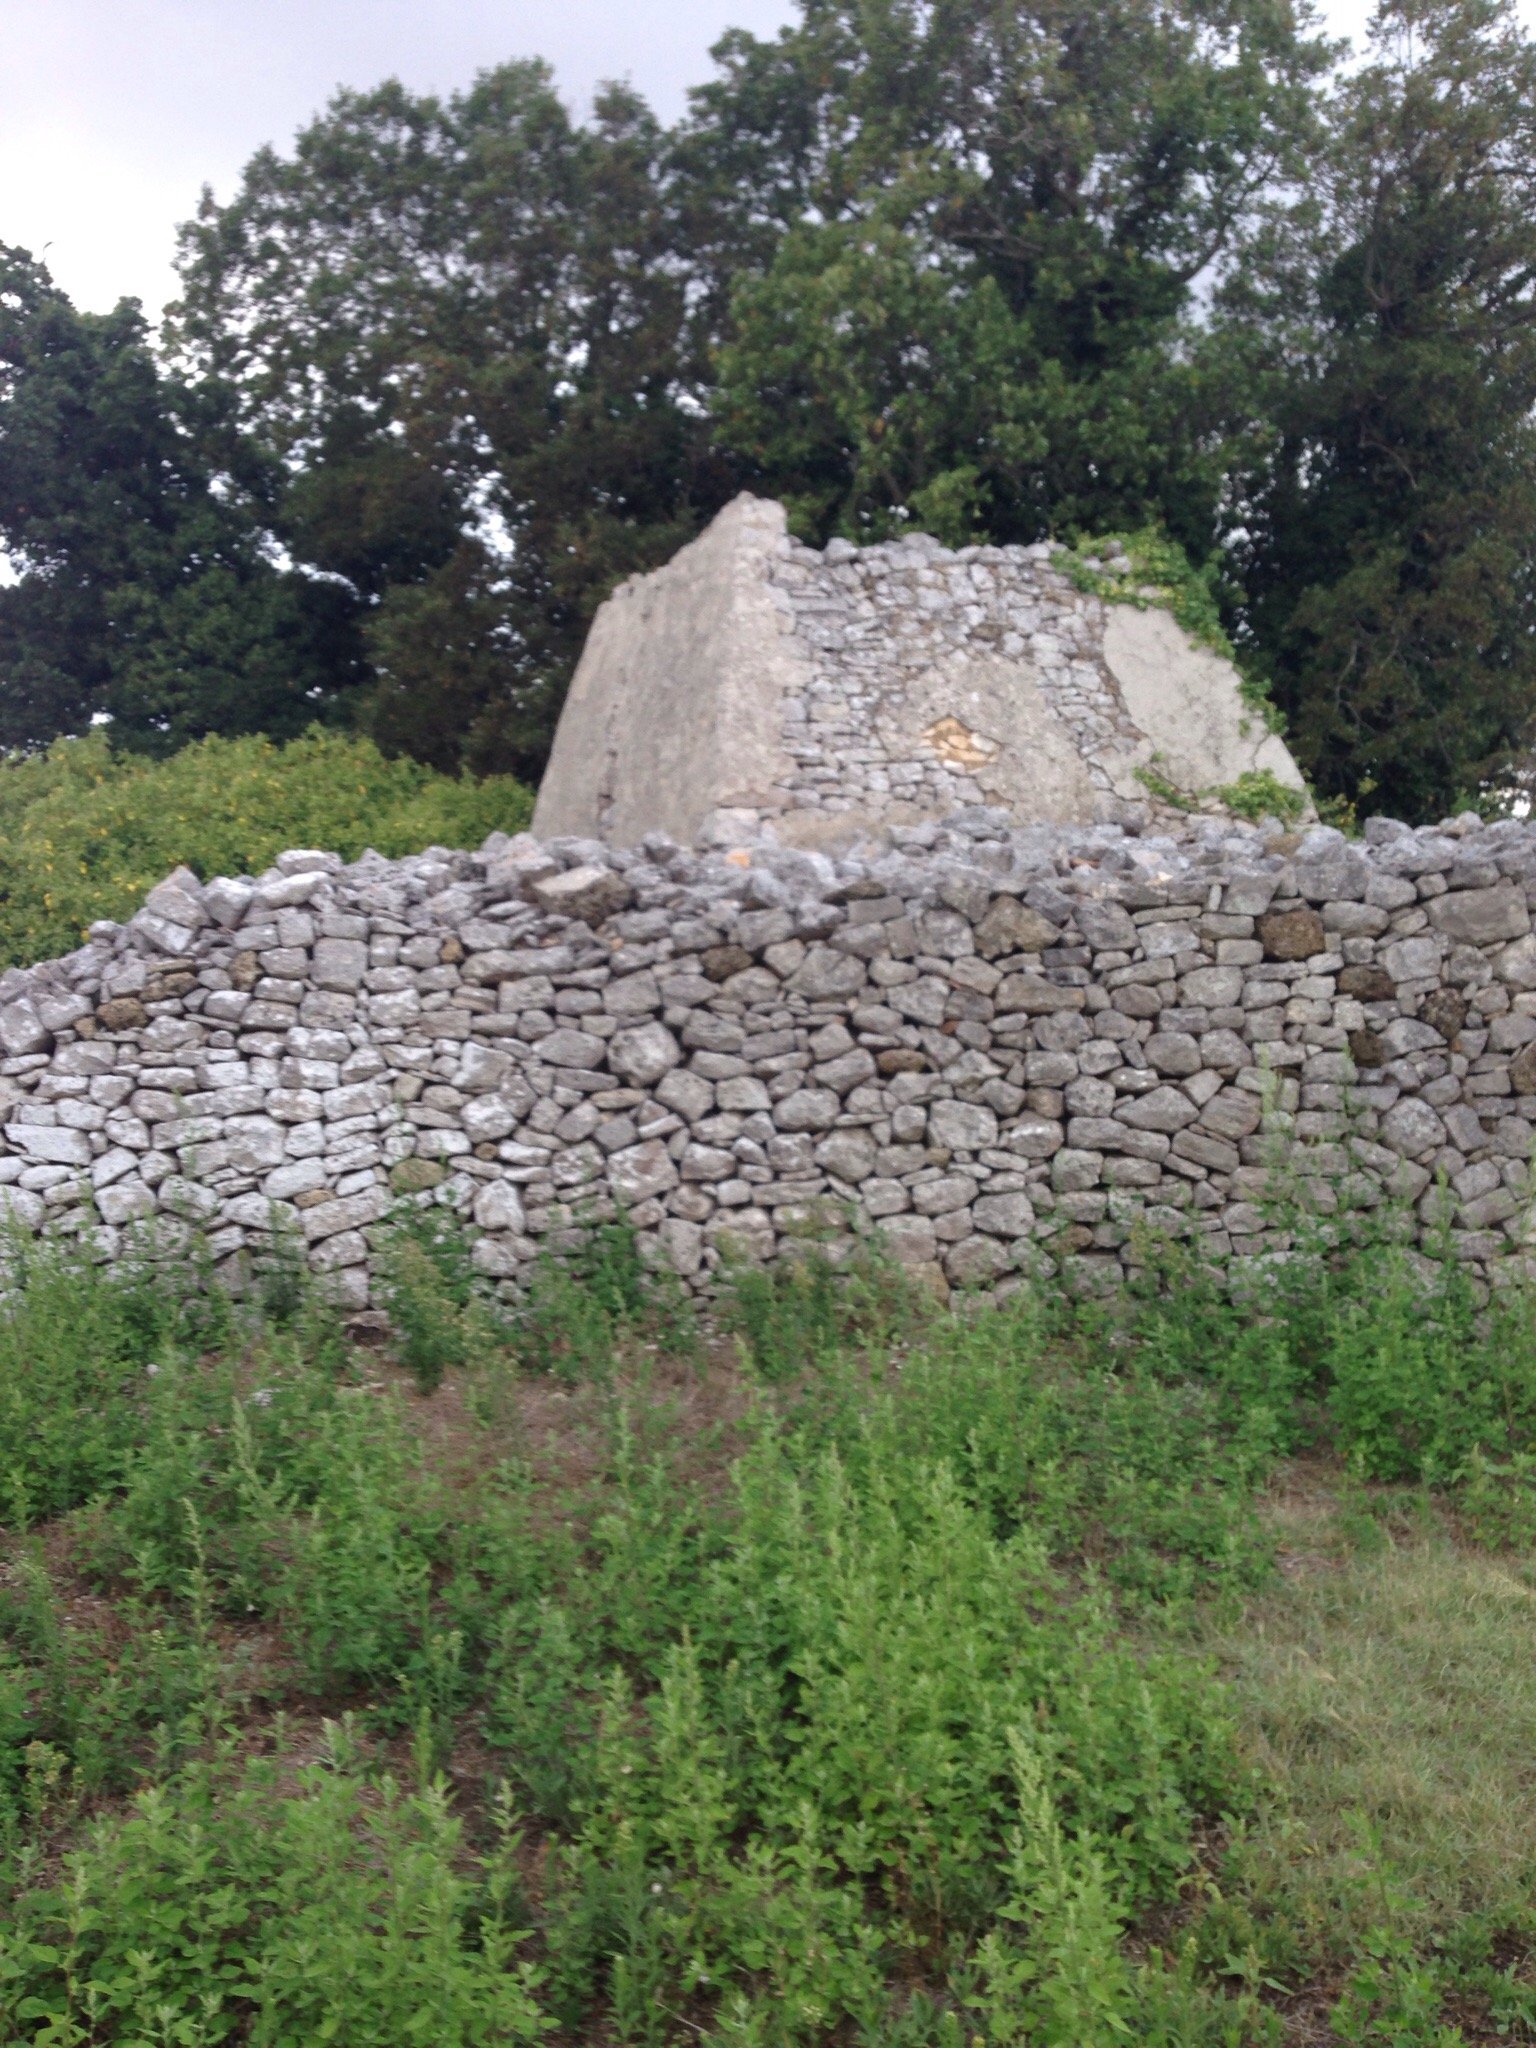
[{"x": 846, "y": 1671}]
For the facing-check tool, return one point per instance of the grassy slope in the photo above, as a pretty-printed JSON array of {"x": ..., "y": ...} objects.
[{"x": 861, "y": 1674}]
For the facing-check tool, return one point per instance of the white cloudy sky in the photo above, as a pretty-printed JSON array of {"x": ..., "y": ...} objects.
[{"x": 113, "y": 113}]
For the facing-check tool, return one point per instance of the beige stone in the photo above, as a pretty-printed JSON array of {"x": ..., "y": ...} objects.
[
  {"x": 686, "y": 699},
  {"x": 675, "y": 708},
  {"x": 1199, "y": 732}
]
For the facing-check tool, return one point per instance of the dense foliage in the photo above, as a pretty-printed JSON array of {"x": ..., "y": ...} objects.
[
  {"x": 141, "y": 589},
  {"x": 849, "y": 1690},
  {"x": 85, "y": 832},
  {"x": 447, "y": 370}
]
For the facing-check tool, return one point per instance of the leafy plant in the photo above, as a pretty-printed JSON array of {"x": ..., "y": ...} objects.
[{"x": 86, "y": 832}]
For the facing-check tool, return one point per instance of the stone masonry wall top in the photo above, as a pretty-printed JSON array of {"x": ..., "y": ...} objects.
[{"x": 993, "y": 1045}]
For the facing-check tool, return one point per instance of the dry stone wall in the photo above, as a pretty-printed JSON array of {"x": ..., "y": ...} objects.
[
  {"x": 994, "y": 1046},
  {"x": 892, "y": 705}
]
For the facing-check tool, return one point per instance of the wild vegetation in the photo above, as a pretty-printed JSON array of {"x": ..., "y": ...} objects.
[
  {"x": 838, "y": 1669},
  {"x": 86, "y": 832},
  {"x": 446, "y": 369}
]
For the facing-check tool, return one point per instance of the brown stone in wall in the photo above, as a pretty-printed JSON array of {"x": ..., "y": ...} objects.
[
  {"x": 900, "y": 1059},
  {"x": 721, "y": 962},
  {"x": 165, "y": 988},
  {"x": 1366, "y": 1049},
  {"x": 1291, "y": 934},
  {"x": 1367, "y": 984},
  {"x": 121, "y": 1013},
  {"x": 1445, "y": 1011},
  {"x": 1522, "y": 1071}
]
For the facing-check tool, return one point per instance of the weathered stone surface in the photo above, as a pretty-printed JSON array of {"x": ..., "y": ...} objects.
[
  {"x": 688, "y": 711},
  {"x": 340, "y": 964},
  {"x": 1414, "y": 959},
  {"x": 639, "y": 1173},
  {"x": 1005, "y": 1215},
  {"x": 588, "y": 892},
  {"x": 1010, "y": 926},
  {"x": 807, "y": 1109},
  {"x": 1445, "y": 1011},
  {"x": 1412, "y": 1128},
  {"x": 1291, "y": 934},
  {"x": 1477, "y": 917},
  {"x": 643, "y": 1053},
  {"x": 1030, "y": 996},
  {"x": 962, "y": 1126},
  {"x": 1366, "y": 1048},
  {"x": 1517, "y": 963},
  {"x": 121, "y": 1013},
  {"x": 1174, "y": 1052},
  {"x": 1162, "y": 1109},
  {"x": 497, "y": 1207},
  {"x": 411, "y": 1176},
  {"x": 1370, "y": 984}
]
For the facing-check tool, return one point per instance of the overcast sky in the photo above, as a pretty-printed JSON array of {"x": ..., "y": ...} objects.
[{"x": 113, "y": 113}]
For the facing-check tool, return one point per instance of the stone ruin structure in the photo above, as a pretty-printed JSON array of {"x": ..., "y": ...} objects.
[
  {"x": 836, "y": 692},
  {"x": 847, "y": 912},
  {"x": 990, "y": 1046}
]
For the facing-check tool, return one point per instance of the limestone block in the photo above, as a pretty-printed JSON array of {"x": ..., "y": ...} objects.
[
  {"x": 590, "y": 893},
  {"x": 1187, "y": 702},
  {"x": 642, "y": 1054},
  {"x": 1010, "y": 926}
]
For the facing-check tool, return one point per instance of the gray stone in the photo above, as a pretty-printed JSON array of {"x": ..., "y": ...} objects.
[
  {"x": 1413, "y": 959},
  {"x": 807, "y": 1109},
  {"x": 641, "y": 1172},
  {"x": 340, "y": 964},
  {"x": 1107, "y": 927},
  {"x": 847, "y": 1155},
  {"x": 1412, "y": 1128},
  {"x": 825, "y": 974},
  {"x": 497, "y": 1207},
  {"x": 22, "y": 1030},
  {"x": 642, "y": 1053},
  {"x": 1478, "y": 917},
  {"x": 962, "y": 1126},
  {"x": 46, "y": 1142},
  {"x": 1162, "y": 1109},
  {"x": 1009, "y": 926},
  {"x": 1004, "y": 1215},
  {"x": 1517, "y": 966},
  {"x": 944, "y": 1195},
  {"x": 589, "y": 893},
  {"x": 1174, "y": 1052}
]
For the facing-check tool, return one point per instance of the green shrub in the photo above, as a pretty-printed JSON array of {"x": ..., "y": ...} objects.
[
  {"x": 224, "y": 1907},
  {"x": 584, "y": 1300},
  {"x": 84, "y": 832},
  {"x": 429, "y": 1282}
]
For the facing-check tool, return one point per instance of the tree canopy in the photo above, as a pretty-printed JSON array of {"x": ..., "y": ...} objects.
[
  {"x": 446, "y": 370},
  {"x": 141, "y": 588}
]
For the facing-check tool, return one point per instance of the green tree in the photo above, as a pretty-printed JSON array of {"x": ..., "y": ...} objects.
[
  {"x": 141, "y": 587},
  {"x": 957, "y": 249},
  {"x": 461, "y": 326},
  {"x": 1386, "y": 541}
]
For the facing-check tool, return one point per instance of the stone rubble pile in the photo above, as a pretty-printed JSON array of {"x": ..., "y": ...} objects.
[{"x": 996, "y": 1046}]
